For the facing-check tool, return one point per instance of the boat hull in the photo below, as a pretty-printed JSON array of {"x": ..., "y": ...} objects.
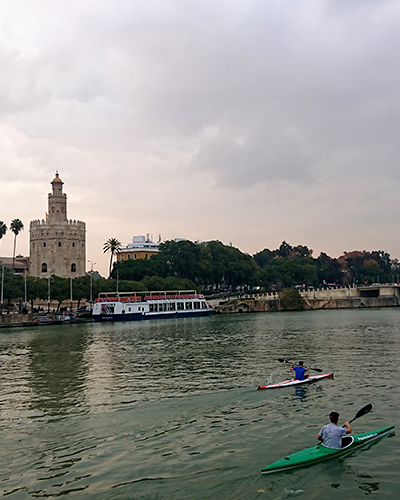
[
  {"x": 141, "y": 317},
  {"x": 319, "y": 453},
  {"x": 289, "y": 383}
]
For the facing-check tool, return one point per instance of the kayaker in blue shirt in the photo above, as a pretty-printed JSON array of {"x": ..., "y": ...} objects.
[
  {"x": 300, "y": 371},
  {"x": 331, "y": 434}
]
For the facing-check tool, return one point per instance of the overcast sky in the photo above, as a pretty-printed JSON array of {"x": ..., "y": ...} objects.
[{"x": 250, "y": 122}]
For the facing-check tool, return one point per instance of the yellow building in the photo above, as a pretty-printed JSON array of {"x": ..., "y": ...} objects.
[{"x": 141, "y": 248}]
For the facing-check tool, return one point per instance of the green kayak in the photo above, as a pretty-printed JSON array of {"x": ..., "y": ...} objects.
[{"x": 320, "y": 452}]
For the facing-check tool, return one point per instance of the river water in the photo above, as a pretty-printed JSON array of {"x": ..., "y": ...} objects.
[{"x": 168, "y": 409}]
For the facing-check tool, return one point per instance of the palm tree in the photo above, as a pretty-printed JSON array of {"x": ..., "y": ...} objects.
[
  {"x": 16, "y": 227},
  {"x": 3, "y": 229},
  {"x": 113, "y": 246}
]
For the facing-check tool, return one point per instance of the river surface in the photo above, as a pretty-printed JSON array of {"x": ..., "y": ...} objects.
[{"x": 168, "y": 409}]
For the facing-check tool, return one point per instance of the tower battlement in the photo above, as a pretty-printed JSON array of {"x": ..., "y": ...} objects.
[{"x": 46, "y": 224}]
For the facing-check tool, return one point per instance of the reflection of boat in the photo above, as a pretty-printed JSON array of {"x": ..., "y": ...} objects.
[
  {"x": 289, "y": 383},
  {"x": 320, "y": 452},
  {"x": 131, "y": 306}
]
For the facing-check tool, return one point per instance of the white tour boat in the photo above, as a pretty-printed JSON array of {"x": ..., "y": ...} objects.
[{"x": 131, "y": 306}]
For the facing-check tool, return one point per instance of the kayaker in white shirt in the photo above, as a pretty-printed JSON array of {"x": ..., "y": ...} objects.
[{"x": 331, "y": 434}]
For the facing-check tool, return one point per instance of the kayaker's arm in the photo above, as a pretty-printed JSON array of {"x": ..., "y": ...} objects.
[
  {"x": 320, "y": 438},
  {"x": 348, "y": 428}
]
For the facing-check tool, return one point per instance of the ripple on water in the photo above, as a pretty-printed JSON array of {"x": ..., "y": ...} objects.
[{"x": 168, "y": 409}]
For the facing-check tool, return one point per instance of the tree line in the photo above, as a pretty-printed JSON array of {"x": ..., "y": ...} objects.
[{"x": 213, "y": 265}]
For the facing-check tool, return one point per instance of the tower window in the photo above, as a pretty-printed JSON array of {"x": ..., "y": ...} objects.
[
  {"x": 59, "y": 243},
  {"x": 73, "y": 244},
  {"x": 44, "y": 243},
  {"x": 44, "y": 267},
  {"x": 73, "y": 268}
]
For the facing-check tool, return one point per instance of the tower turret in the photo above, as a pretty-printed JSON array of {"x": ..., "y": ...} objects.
[{"x": 57, "y": 201}]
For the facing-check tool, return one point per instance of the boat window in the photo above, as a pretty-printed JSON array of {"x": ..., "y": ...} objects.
[
  {"x": 172, "y": 306},
  {"x": 180, "y": 306},
  {"x": 189, "y": 305},
  {"x": 197, "y": 305}
]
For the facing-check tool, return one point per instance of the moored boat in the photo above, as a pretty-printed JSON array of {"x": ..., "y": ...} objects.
[
  {"x": 318, "y": 453},
  {"x": 133, "y": 306},
  {"x": 289, "y": 383}
]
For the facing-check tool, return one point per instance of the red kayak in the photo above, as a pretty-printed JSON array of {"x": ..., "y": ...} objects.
[{"x": 289, "y": 383}]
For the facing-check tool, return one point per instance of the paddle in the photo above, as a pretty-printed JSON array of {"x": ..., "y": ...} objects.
[
  {"x": 285, "y": 361},
  {"x": 362, "y": 412}
]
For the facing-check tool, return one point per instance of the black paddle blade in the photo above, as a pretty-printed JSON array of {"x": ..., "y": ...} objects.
[
  {"x": 362, "y": 412},
  {"x": 316, "y": 369},
  {"x": 283, "y": 360}
]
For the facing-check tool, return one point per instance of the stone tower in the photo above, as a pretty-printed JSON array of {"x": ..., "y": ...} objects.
[{"x": 57, "y": 245}]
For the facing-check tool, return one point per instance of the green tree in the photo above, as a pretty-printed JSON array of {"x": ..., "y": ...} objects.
[
  {"x": 36, "y": 288},
  {"x": 59, "y": 289},
  {"x": 13, "y": 286},
  {"x": 113, "y": 246},
  {"x": 81, "y": 288},
  {"x": 16, "y": 227},
  {"x": 137, "y": 269},
  {"x": 290, "y": 300},
  {"x": 3, "y": 229}
]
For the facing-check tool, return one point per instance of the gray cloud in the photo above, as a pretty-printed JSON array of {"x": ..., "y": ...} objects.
[{"x": 194, "y": 103}]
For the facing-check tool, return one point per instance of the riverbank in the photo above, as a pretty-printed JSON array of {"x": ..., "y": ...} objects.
[{"x": 312, "y": 299}]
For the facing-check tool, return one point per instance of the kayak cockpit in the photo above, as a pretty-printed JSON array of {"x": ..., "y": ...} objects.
[{"x": 346, "y": 442}]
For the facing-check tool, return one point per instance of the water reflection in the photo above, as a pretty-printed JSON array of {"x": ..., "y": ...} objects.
[
  {"x": 58, "y": 371},
  {"x": 300, "y": 393}
]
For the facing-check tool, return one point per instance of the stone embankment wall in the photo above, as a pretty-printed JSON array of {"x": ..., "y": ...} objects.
[
  {"x": 340, "y": 298},
  {"x": 17, "y": 319}
]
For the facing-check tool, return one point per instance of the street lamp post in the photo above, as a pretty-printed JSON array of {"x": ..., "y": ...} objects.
[
  {"x": 48, "y": 294},
  {"x": 2, "y": 291},
  {"x": 91, "y": 282},
  {"x": 70, "y": 290}
]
